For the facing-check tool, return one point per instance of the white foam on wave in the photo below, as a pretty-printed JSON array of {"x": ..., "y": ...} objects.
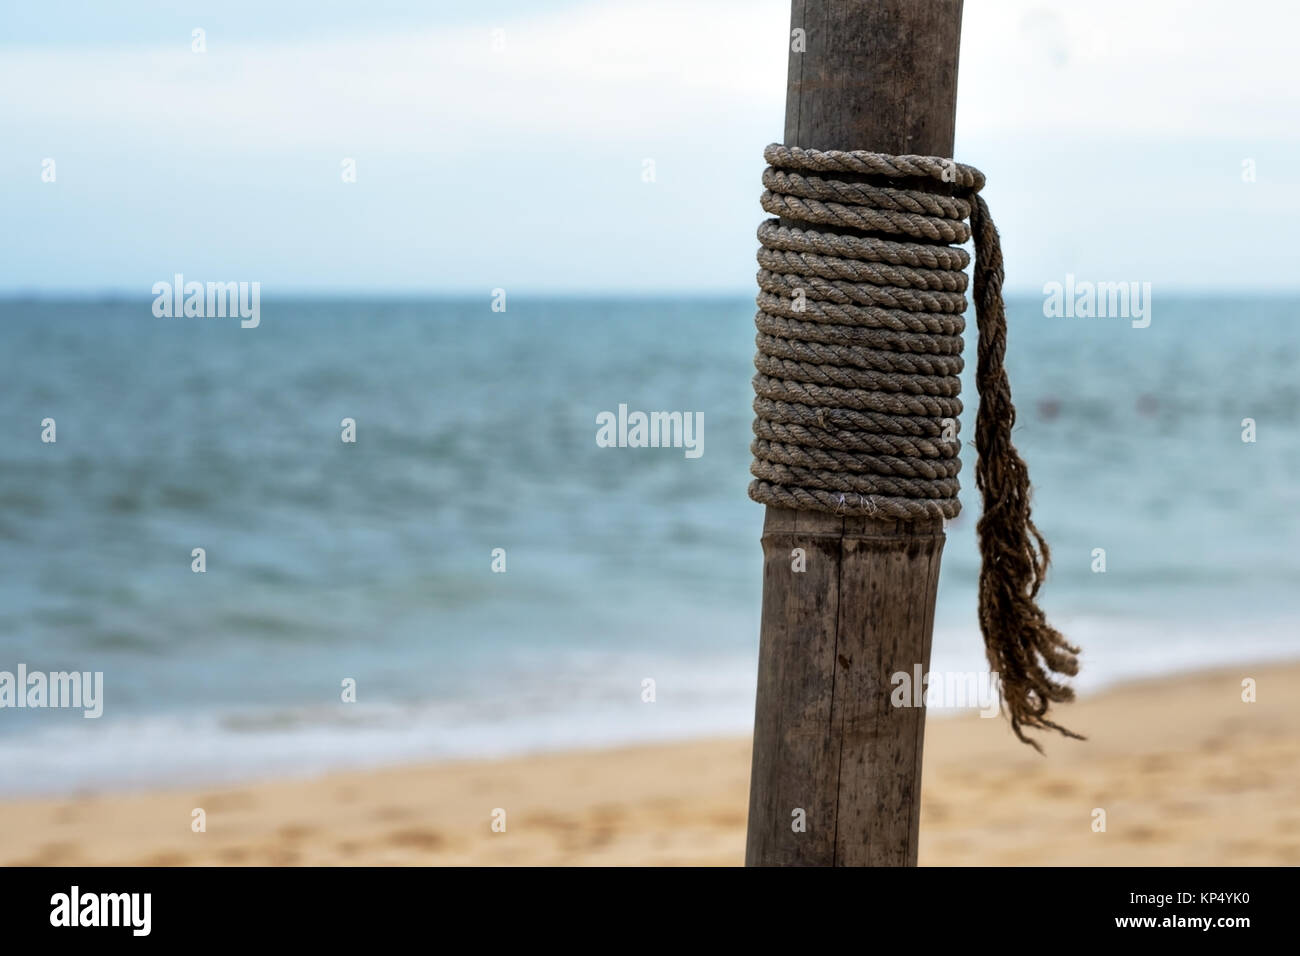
[{"x": 588, "y": 699}]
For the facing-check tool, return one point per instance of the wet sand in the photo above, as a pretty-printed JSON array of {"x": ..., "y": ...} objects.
[{"x": 1186, "y": 772}]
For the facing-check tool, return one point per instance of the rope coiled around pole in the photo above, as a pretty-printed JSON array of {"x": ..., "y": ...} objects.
[{"x": 860, "y": 318}]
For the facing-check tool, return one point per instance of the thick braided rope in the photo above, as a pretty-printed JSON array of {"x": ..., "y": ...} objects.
[{"x": 860, "y": 317}]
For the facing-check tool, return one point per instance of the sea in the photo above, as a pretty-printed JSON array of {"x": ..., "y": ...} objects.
[{"x": 476, "y": 575}]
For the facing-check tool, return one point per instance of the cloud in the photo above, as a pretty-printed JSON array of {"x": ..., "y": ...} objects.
[
  {"x": 638, "y": 70},
  {"x": 516, "y": 158},
  {"x": 1115, "y": 69},
  {"x": 662, "y": 70}
]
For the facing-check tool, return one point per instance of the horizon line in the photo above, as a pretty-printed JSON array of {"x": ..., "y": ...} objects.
[{"x": 1254, "y": 291}]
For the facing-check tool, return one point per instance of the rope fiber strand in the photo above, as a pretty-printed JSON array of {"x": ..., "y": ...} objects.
[{"x": 860, "y": 317}]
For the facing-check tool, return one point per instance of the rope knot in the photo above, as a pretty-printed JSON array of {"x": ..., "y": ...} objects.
[{"x": 861, "y": 301}]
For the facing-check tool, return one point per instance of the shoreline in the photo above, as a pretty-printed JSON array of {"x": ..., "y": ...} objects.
[
  {"x": 206, "y": 749},
  {"x": 1186, "y": 772}
]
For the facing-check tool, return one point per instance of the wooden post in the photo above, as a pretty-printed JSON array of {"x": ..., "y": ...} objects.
[{"x": 878, "y": 75}]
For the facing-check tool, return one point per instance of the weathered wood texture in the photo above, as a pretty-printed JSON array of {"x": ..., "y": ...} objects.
[{"x": 878, "y": 75}]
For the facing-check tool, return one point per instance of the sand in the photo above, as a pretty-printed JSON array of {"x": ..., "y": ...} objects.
[{"x": 1186, "y": 772}]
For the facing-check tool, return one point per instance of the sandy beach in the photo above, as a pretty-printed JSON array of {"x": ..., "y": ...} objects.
[{"x": 1186, "y": 772}]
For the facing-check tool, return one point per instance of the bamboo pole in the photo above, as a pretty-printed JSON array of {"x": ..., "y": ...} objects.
[{"x": 878, "y": 75}]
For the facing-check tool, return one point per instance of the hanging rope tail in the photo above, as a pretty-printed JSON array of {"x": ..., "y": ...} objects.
[
  {"x": 860, "y": 318},
  {"x": 1023, "y": 649}
]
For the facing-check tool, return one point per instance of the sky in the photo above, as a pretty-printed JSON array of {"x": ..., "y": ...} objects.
[{"x": 505, "y": 144}]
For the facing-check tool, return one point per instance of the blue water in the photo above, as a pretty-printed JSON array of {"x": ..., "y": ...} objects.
[{"x": 476, "y": 430}]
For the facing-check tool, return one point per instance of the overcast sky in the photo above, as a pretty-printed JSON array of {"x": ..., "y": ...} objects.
[{"x": 1113, "y": 133}]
